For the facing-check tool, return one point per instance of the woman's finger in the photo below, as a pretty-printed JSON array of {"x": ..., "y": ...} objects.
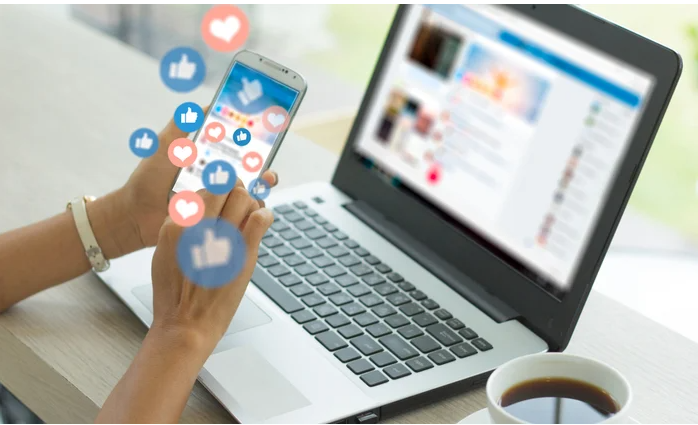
[
  {"x": 271, "y": 177},
  {"x": 237, "y": 206},
  {"x": 257, "y": 225},
  {"x": 214, "y": 203}
]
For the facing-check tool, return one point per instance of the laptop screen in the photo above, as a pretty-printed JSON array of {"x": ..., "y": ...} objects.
[{"x": 509, "y": 127}]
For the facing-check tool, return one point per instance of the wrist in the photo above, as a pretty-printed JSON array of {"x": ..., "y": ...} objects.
[
  {"x": 115, "y": 231},
  {"x": 187, "y": 343}
]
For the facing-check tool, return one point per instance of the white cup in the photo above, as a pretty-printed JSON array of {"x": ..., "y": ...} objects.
[{"x": 556, "y": 365}]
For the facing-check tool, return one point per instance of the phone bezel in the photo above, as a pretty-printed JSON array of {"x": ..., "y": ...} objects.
[{"x": 273, "y": 70}]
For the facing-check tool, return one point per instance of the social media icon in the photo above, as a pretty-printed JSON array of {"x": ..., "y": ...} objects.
[
  {"x": 242, "y": 137},
  {"x": 215, "y": 132},
  {"x": 225, "y": 28},
  {"x": 219, "y": 177},
  {"x": 275, "y": 119},
  {"x": 252, "y": 162},
  {"x": 259, "y": 189},
  {"x": 251, "y": 91},
  {"x": 189, "y": 117},
  {"x": 186, "y": 208},
  {"x": 182, "y": 152},
  {"x": 211, "y": 253},
  {"x": 143, "y": 142},
  {"x": 182, "y": 69}
]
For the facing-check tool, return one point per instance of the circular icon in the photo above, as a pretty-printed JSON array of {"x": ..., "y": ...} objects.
[
  {"x": 275, "y": 119},
  {"x": 252, "y": 162},
  {"x": 182, "y": 69},
  {"x": 211, "y": 253},
  {"x": 242, "y": 137},
  {"x": 143, "y": 142},
  {"x": 219, "y": 177},
  {"x": 225, "y": 28},
  {"x": 186, "y": 208},
  {"x": 259, "y": 189},
  {"x": 189, "y": 117},
  {"x": 182, "y": 152},
  {"x": 215, "y": 132}
]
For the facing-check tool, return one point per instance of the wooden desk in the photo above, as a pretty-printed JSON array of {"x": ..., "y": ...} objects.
[{"x": 70, "y": 99}]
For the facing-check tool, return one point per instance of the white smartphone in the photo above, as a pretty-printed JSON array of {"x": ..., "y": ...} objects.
[{"x": 257, "y": 95}]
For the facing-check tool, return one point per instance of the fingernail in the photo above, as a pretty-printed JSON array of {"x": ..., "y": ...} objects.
[{"x": 276, "y": 177}]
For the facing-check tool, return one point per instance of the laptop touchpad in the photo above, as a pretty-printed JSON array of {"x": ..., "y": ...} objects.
[{"x": 248, "y": 314}]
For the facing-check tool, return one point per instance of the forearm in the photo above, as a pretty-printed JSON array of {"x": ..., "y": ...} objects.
[
  {"x": 44, "y": 254},
  {"x": 156, "y": 386}
]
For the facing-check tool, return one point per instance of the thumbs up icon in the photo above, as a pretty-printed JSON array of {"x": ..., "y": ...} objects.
[
  {"x": 144, "y": 142},
  {"x": 250, "y": 92},
  {"x": 189, "y": 117},
  {"x": 214, "y": 252},
  {"x": 219, "y": 177},
  {"x": 182, "y": 70}
]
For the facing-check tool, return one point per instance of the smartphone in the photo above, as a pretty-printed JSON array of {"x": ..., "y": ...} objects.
[{"x": 257, "y": 95}]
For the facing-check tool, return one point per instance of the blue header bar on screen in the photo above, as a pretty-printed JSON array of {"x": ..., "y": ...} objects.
[{"x": 488, "y": 28}]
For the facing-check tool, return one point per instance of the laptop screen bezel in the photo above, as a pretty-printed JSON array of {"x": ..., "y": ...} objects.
[{"x": 551, "y": 318}]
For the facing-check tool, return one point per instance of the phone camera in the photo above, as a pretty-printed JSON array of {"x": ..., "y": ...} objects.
[{"x": 533, "y": 6}]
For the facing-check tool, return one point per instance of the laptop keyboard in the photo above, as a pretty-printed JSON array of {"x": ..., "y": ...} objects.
[{"x": 373, "y": 320}]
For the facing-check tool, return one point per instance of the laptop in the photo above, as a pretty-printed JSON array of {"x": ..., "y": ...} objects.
[{"x": 490, "y": 162}]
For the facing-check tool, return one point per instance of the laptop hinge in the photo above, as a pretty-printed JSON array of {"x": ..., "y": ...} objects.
[{"x": 454, "y": 278}]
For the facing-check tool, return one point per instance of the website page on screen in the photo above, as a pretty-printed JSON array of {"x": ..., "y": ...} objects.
[{"x": 508, "y": 126}]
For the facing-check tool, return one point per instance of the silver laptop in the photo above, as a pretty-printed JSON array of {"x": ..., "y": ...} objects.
[{"x": 490, "y": 161}]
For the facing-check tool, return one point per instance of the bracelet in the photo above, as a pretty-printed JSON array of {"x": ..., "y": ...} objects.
[{"x": 89, "y": 242}]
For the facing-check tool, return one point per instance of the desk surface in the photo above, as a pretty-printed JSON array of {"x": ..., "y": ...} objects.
[{"x": 70, "y": 99}]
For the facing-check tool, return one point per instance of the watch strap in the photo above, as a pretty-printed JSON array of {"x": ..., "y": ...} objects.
[{"x": 89, "y": 242}]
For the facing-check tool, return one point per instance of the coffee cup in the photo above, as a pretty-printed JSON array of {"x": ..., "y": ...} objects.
[{"x": 558, "y": 378}]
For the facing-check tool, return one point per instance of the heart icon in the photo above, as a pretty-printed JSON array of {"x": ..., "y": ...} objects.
[
  {"x": 186, "y": 209},
  {"x": 252, "y": 162},
  {"x": 225, "y": 29},
  {"x": 276, "y": 119},
  {"x": 182, "y": 153},
  {"x": 214, "y": 132}
]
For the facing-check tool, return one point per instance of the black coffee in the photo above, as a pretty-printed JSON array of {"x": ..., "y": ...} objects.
[{"x": 558, "y": 401}]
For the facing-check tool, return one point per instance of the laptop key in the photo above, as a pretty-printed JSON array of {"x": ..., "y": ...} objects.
[
  {"x": 371, "y": 300},
  {"x": 350, "y": 331},
  {"x": 278, "y": 270},
  {"x": 374, "y": 378},
  {"x": 411, "y": 309},
  {"x": 385, "y": 289},
  {"x": 361, "y": 252},
  {"x": 398, "y": 299},
  {"x": 418, "y": 295},
  {"x": 378, "y": 330},
  {"x": 305, "y": 269},
  {"x": 337, "y": 320},
  {"x": 293, "y": 216},
  {"x": 312, "y": 300},
  {"x": 359, "y": 290},
  {"x": 261, "y": 252},
  {"x": 334, "y": 271},
  {"x": 272, "y": 242},
  {"x": 326, "y": 243},
  {"x": 294, "y": 260},
  {"x": 373, "y": 279},
  {"x": 303, "y": 316},
  {"x": 338, "y": 251},
  {"x": 340, "y": 235},
  {"x": 340, "y": 299},
  {"x": 283, "y": 209},
  {"x": 315, "y": 233},
  {"x": 346, "y": 280},
  {"x": 463, "y": 350},
  {"x": 383, "y": 359},
  {"x": 301, "y": 243},
  {"x": 396, "y": 345},
  {"x": 325, "y": 310},
  {"x": 276, "y": 292},
  {"x": 481, "y": 344},
  {"x": 396, "y": 321},
  {"x": 372, "y": 260},
  {"x": 290, "y": 280},
  {"x": 353, "y": 309},
  {"x": 351, "y": 243},
  {"x": 282, "y": 251},
  {"x": 455, "y": 324},
  {"x": 395, "y": 277},
  {"x": 331, "y": 341},
  {"x": 328, "y": 289},
  {"x": 419, "y": 364},
  {"x": 361, "y": 269},
  {"x": 290, "y": 234},
  {"x": 301, "y": 290},
  {"x": 383, "y": 268},
  {"x": 323, "y": 261},
  {"x": 347, "y": 355},
  {"x": 300, "y": 205},
  {"x": 349, "y": 260},
  {"x": 430, "y": 304},
  {"x": 406, "y": 286},
  {"x": 411, "y": 331},
  {"x": 267, "y": 261},
  {"x": 315, "y": 327},
  {"x": 366, "y": 345},
  {"x": 317, "y": 279},
  {"x": 365, "y": 319},
  {"x": 303, "y": 225},
  {"x": 424, "y": 319},
  {"x": 468, "y": 333},
  {"x": 383, "y": 310},
  {"x": 443, "y": 314},
  {"x": 279, "y": 226},
  {"x": 320, "y": 219},
  {"x": 443, "y": 334},
  {"x": 311, "y": 252},
  {"x": 441, "y": 357},
  {"x": 397, "y": 371},
  {"x": 329, "y": 227},
  {"x": 360, "y": 366},
  {"x": 310, "y": 212},
  {"x": 426, "y": 344}
]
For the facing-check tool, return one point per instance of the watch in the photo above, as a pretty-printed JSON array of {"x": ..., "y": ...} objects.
[{"x": 89, "y": 242}]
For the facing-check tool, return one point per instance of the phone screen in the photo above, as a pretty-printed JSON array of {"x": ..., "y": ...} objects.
[{"x": 249, "y": 100}]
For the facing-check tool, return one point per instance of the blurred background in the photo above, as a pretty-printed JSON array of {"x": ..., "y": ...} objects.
[{"x": 336, "y": 46}]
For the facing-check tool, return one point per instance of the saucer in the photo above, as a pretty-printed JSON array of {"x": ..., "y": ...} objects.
[{"x": 482, "y": 416}]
